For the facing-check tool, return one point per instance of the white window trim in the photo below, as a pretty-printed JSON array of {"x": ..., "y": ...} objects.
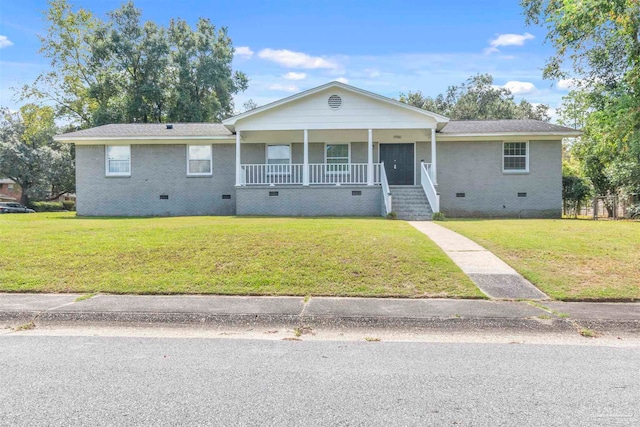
[
  {"x": 345, "y": 172},
  {"x": 106, "y": 161},
  {"x": 512, "y": 171},
  {"x": 210, "y": 173}
]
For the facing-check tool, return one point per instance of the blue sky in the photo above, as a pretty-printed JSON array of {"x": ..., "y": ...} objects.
[{"x": 386, "y": 47}]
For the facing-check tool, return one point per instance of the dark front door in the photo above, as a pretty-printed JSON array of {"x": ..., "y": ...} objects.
[{"x": 398, "y": 163}]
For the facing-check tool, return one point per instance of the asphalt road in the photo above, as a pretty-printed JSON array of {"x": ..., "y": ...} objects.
[{"x": 47, "y": 380}]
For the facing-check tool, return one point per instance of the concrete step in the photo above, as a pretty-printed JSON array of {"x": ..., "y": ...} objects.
[
  {"x": 410, "y": 203},
  {"x": 415, "y": 217}
]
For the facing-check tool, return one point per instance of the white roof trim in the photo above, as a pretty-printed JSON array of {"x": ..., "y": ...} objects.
[{"x": 231, "y": 121}]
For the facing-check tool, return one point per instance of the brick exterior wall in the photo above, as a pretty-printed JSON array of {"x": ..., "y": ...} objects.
[
  {"x": 155, "y": 170},
  {"x": 475, "y": 168},
  {"x": 309, "y": 201}
]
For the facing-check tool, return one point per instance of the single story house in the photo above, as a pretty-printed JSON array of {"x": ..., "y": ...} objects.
[{"x": 333, "y": 150}]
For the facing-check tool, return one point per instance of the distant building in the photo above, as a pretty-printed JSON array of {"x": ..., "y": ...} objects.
[{"x": 9, "y": 191}]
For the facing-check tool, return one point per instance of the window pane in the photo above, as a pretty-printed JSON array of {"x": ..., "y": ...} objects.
[
  {"x": 199, "y": 166},
  {"x": 338, "y": 150},
  {"x": 118, "y": 166},
  {"x": 515, "y": 149},
  {"x": 199, "y": 152},
  {"x": 515, "y": 163},
  {"x": 278, "y": 154},
  {"x": 119, "y": 152}
]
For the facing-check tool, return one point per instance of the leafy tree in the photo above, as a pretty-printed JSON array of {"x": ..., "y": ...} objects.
[
  {"x": 66, "y": 43},
  {"x": 205, "y": 81},
  {"x": 124, "y": 70},
  {"x": 597, "y": 42},
  {"x": 30, "y": 157},
  {"x": 477, "y": 99},
  {"x": 138, "y": 52}
]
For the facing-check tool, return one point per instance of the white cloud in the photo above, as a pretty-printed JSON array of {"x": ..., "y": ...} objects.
[
  {"x": 295, "y": 76},
  {"x": 244, "y": 51},
  {"x": 284, "y": 88},
  {"x": 292, "y": 59},
  {"x": 507, "y": 40},
  {"x": 568, "y": 84},
  {"x": 342, "y": 80},
  {"x": 5, "y": 42},
  {"x": 519, "y": 88}
]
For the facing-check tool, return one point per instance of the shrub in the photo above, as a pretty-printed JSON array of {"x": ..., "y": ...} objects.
[
  {"x": 47, "y": 206},
  {"x": 392, "y": 215},
  {"x": 69, "y": 205},
  {"x": 575, "y": 191},
  {"x": 634, "y": 211},
  {"x": 438, "y": 216}
]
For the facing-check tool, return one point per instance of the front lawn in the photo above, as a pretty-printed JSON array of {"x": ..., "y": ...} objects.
[
  {"x": 224, "y": 255},
  {"x": 567, "y": 259}
]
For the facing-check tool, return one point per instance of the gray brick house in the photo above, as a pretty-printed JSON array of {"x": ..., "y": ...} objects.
[{"x": 331, "y": 150}]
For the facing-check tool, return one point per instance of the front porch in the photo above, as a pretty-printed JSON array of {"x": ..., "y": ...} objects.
[{"x": 333, "y": 171}]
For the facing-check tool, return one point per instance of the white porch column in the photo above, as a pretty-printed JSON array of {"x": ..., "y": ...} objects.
[
  {"x": 305, "y": 166},
  {"x": 434, "y": 175},
  {"x": 370, "y": 158},
  {"x": 238, "y": 167}
]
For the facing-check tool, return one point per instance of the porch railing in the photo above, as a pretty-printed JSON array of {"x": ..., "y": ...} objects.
[
  {"x": 428, "y": 187},
  {"x": 386, "y": 192},
  {"x": 319, "y": 173}
]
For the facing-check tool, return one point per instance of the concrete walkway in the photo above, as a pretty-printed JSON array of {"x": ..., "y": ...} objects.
[
  {"x": 492, "y": 275},
  {"x": 25, "y": 311}
]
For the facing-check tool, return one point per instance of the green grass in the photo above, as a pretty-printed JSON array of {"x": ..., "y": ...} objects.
[
  {"x": 58, "y": 252},
  {"x": 567, "y": 259}
]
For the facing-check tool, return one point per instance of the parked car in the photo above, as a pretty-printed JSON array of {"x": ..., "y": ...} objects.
[{"x": 11, "y": 207}]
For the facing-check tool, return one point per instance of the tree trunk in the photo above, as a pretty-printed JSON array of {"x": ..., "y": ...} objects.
[{"x": 24, "y": 199}]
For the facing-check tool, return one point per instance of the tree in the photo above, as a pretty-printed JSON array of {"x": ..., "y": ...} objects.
[
  {"x": 30, "y": 157},
  {"x": 249, "y": 105},
  {"x": 597, "y": 43},
  {"x": 205, "y": 81},
  {"x": 140, "y": 54},
  {"x": 477, "y": 99},
  {"x": 124, "y": 70},
  {"x": 67, "y": 44}
]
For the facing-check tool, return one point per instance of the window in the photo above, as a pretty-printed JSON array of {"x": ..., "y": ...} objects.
[
  {"x": 337, "y": 157},
  {"x": 118, "y": 160},
  {"x": 515, "y": 157},
  {"x": 199, "y": 160},
  {"x": 278, "y": 154}
]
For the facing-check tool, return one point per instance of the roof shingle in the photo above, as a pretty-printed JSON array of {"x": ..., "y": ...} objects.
[
  {"x": 133, "y": 130},
  {"x": 500, "y": 126}
]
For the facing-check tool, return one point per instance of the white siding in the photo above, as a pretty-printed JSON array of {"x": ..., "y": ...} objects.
[{"x": 357, "y": 112}]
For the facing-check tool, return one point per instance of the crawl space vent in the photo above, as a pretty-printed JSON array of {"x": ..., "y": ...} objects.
[{"x": 335, "y": 102}]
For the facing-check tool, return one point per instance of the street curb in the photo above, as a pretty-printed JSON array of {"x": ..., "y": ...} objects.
[{"x": 208, "y": 320}]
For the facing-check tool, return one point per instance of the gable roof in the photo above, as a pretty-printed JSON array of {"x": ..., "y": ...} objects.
[
  {"x": 526, "y": 126},
  {"x": 150, "y": 131},
  {"x": 231, "y": 121}
]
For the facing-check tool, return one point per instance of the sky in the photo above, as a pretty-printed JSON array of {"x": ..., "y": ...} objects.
[{"x": 387, "y": 47}]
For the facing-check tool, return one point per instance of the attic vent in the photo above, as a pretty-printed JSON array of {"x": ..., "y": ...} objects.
[{"x": 335, "y": 102}]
